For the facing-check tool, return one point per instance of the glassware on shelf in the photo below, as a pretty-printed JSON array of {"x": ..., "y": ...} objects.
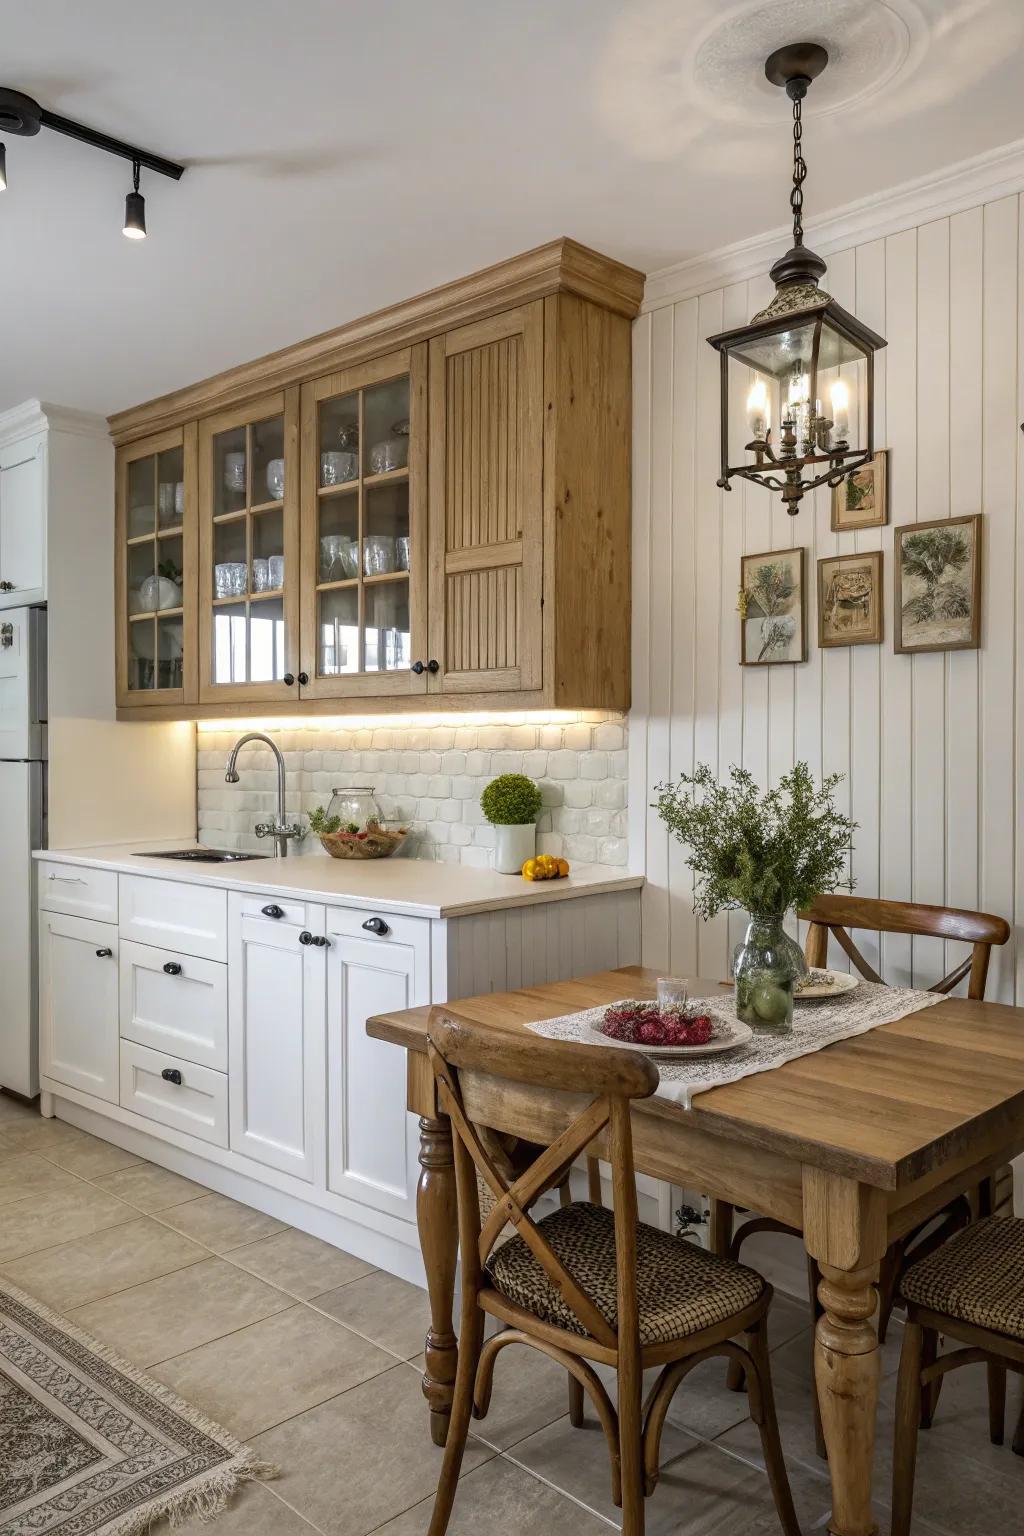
[
  {"x": 275, "y": 479},
  {"x": 275, "y": 565},
  {"x": 402, "y": 552},
  {"x": 393, "y": 452},
  {"x": 338, "y": 466},
  {"x": 179, "y": 498},
  {"x": 229, "y": 578},
  {"x": 378, "y": 554},
  {"x": 260, "y": 575},
  {"x": 339, "y": 560},
  {"x": 234, "y": 471}
]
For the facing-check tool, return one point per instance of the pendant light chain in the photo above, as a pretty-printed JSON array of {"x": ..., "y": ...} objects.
[{"x": 796, "y": 197}]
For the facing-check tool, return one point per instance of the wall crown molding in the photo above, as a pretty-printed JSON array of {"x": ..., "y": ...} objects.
[
  {"x": 982, "y": 179},
  {"x": 33, "y": 416}
]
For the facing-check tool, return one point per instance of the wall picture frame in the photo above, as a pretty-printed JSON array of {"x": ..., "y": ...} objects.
[
  {"x": 938, "y": 584},
  {"x": 862, "y": 499},
  {"x": 773, "y": 608},
  {"x": 850, "y": 599}
]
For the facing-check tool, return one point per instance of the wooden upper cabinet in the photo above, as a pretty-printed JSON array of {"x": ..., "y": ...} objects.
[
  {"x": 155, "y": 571},
  {"x": 486, "y": 504}
]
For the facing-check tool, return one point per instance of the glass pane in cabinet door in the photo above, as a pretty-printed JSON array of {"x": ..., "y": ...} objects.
[
  {"x": 141, "y": 497},
  {"x": 339, "y": 440},
  {"x": 169, "y": 557},
  {"x": 169, "y": 647},
  {"x": 230, "y": 559},
  {"x": 386, "y": 529},
  {"x": 266, "y": 641},
  {"x": 230, "y": 471},
  {"x": 170, "y": 488},
  {"x": 386, "y": 427},
  {"x": 386, "y": 628},
  {"x": 268, "y": 551},
  {"x": 141, "y": 654},
  {"x": 268, "y": 467},
  {"x": 339, "y": 631},
  {"x": 141, "y": 577},
  {"x": 339, "y": 537},
  {"x": 230, "y": 655}
]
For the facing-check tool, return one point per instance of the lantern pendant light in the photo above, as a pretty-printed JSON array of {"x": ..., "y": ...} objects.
[{"x": 804, "y": 365}]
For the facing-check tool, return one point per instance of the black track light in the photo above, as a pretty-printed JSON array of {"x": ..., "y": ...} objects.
[
  {"x": 135, "y": 209},
  {"x": 3, "y": 168}
]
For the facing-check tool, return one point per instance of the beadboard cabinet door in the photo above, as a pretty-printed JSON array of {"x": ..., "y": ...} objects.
[
  {"x": 78, "y": 1004},
  {"x": 23, "y": 521},
  {"x": 486, "y": 504}
]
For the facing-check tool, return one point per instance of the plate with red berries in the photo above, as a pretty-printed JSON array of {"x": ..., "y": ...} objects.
[{"x": 672, "y": 1033}]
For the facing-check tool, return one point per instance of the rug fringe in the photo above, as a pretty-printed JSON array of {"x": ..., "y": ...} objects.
[{"x": 203, "y": 1503}]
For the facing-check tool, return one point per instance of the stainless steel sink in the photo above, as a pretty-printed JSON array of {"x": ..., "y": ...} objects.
[{"x": 202, "y": 855}]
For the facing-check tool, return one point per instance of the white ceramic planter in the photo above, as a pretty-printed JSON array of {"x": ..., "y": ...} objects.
[{"x": 513, "y": 846}]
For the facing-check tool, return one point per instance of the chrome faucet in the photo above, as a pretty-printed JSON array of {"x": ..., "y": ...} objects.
[{"x": 279, "y": 830}]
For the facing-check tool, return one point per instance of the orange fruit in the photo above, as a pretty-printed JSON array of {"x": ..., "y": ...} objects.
[
  {"x": 530, "y": 870},
  {"x": 563, "y": 867}
]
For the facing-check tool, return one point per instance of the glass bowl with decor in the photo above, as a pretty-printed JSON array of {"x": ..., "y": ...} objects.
[
  {"x": 511, "y": 803},
  {"x": 769, "y": 852},
  {"x": 353, "y": 827}
]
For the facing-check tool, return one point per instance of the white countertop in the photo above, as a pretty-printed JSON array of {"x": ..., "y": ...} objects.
[{"x": 420, "y": 887}]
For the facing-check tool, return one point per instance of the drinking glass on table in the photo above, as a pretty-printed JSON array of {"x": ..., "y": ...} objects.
[{"x": 673, "y": 992}]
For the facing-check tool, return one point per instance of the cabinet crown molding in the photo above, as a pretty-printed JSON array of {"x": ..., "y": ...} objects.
[
  {"x": 561, "y": 266},
  {"x": 33, "y": 416}
]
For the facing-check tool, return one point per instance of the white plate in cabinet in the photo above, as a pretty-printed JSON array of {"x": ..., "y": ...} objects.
[
  {"x": 173, "y": 915},
  {"x": 374, "y": 964},
  {"x": 78, "y": 890},
  {"x": 175, "y": 1003},
  {"x": 78, "y": 1003},
  {"x": 176, "y": 1093},
  {"x": 277, "y": 1034}
]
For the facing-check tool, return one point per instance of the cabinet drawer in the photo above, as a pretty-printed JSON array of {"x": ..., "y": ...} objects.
[
  {"x": 169, "y": 914},
  {"x": 397, "y": 928},
  {"x": 78, "y": 891},
  {"x": 196, "y": 1105},
  {"x": 175, "y": 1003}
]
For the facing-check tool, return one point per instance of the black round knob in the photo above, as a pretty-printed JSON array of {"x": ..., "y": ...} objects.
[
  {"x": 273, "y": 910},
  {"x": 6, "y": 586},
  {"x": 104, "y": 954},
  {"x": 289, "y": 679},
  {"x": 171, "y": 1075},
  {"x": 433, "y": 666},
  {"x": 321, "y": 942},
  {"x": 376, "y": 925},
  {"x": 417, "y": 667},
  {"x": 172, "y": 968},
  {"x": 305, "y": 937},
  {"x": 303, "y": 678}
]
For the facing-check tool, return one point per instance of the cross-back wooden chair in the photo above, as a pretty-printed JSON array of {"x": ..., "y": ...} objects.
[
  {"x": 834, "y": 916},
  {"x": 583, "y": 1284}
]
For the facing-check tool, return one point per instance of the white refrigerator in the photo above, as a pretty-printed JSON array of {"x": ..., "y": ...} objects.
[{"x": 22, "y": 828}]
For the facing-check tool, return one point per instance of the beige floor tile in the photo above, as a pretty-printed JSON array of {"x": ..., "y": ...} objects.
[
  {"x": 356, "y": 1462},
  {"x": 391, "y": 1312},
  {"x": 150, "y": 1188},
  {"x": 12, "y": 1110},
  {"x": 254, "y": 1511},
  {"x": 178, "y": 1312},
  {"x": 219, "y": 1223},
  {"x": 299, "y": 1263},
  {"x": 716, "y": 1495},
  {"x": 58, "y": 1216},
  {"x": 88, "y": 1156},
  {"x": 32, "y": 1133},
  {"x": 499, "y": 1497},
  {"x": 272, "y": 1370},
  {"x": 104, "y": 1262},
  {"x": 23, "y": 1174},
  {"x": 530, "y": 1392}
]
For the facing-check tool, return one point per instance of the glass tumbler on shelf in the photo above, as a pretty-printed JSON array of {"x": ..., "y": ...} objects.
[{"x": 356, "y": 807}]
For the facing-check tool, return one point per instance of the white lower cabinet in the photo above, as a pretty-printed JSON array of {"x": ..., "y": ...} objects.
[
  {"x": 374, "y": 964},
  {"x": 175, "y": 1092},
  {"x": 175, "y": 1003},
  {"x": 276, "y": 1033},
  {"x": 78, "y": 1042}
]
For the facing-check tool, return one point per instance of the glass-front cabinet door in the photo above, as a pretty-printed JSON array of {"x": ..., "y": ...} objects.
[
  {"x": 249, "y": 552},
  {"x": 364, "y": 557},
  {"x": 155, "y": 572}
]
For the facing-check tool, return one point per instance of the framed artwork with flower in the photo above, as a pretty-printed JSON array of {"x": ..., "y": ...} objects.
[
  {"x": 773, "y": 608},
  {"x": 862, "y": 499},
  {"x": 938, "y": 584}
]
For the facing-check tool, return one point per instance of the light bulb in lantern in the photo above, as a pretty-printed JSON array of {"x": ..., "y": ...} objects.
[
  {"x": 757, "y": 411},
  {"x": 841, "y": 410}
]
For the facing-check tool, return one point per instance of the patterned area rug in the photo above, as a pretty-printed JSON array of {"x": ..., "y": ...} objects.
[{"x": 89, "y": 1446}]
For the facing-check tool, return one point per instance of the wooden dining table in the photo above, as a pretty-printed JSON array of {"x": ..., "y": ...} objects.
[{"x": 854, "y": 1145}]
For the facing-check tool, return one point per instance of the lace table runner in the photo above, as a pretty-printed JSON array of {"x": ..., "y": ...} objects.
[{"x": 815, "y": 1025}]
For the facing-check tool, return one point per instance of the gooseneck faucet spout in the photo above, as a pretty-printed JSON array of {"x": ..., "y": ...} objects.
[{"x": 279, "y": 830}]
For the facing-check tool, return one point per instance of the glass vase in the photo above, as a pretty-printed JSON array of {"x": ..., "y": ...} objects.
[{"x": 768, "y": 965}]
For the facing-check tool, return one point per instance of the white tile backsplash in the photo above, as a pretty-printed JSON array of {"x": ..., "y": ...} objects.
[{"x": 431, "y": 776}]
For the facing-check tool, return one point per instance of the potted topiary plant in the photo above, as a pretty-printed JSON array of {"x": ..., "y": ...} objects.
[{"x": 511, "y": 803}]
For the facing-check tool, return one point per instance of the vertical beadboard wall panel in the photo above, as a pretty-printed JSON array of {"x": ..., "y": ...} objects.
[{"x": 931, "y": 745}]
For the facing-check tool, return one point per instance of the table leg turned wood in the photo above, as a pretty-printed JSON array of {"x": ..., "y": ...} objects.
[{"x": 437, "y": 1219}]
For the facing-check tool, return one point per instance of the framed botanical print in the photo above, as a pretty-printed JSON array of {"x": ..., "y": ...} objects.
[
  {"x": 862, "y": 499},
  {"x": 773, "y": 608},
  {"x": 938, "y": 584},
  {"x": 850, "y": 599}
]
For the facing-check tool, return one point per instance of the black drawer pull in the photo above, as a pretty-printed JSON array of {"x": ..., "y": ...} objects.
[
  {"x": 171, "y": 1075},
  {"x": 172, "y": 968},
  {"x": 376, "y": 925},
  {"x": 273, "y": 910},
  {"x": 305, "y": 937},
  {"x": 104, "y": 954}
]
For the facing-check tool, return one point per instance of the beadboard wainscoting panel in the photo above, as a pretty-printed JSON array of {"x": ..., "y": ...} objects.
[
  {"x": 431, "y": 776},
  {"x": 931, "y": 745}
]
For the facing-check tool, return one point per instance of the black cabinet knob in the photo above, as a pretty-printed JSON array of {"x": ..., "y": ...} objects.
[
  {"x": 273, "y": 910},
  {"x": 303, "y": 678},
  {"x": 289, "y": 679},
  {"x": 433, "y": 666},
  {"x": 305, "y": 937},
  {"x": 321, "y": 942},
  {"x": 6, "y": 586},
  {"x": 104, "y": 954},
  {"x": 171, "y": 1075},
  {"x": 417, "y": 667},
  {"x": 172, "y": 968},
  {"x": 376, "y": 925}
]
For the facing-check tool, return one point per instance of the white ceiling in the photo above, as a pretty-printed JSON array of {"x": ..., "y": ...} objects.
[{"x": 344, "y": 154}]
